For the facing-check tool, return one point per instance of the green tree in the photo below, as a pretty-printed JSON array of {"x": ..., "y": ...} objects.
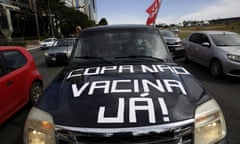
[
  {"x": 103, "y": 21},
  {"x": 63, "y": 17}
]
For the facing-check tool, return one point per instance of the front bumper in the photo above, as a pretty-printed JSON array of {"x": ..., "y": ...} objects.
[
  {"x": 167, "y": 134},
  {"x": 172, "y": 133},
  {"x": 231, "y": 68}
]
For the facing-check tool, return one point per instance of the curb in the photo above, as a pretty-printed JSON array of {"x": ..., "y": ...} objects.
[{"x": 31, "y": 47}]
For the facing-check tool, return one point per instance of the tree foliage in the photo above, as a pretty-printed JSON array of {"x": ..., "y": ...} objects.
[
  {"x": 63, "y": 17},
  {"x": 103, "y": 21}
]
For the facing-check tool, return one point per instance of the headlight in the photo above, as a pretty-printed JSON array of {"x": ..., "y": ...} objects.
[
  {"x": 210, "y": 125},
  {"x": 39, "y": 128},
  {"x": 69, "y": 53},
  {"x": 46, "y": 54},
  {"x": 233, "y": 57}
]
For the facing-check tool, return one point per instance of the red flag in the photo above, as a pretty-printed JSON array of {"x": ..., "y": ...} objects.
[{"x": 153, "y": 11}]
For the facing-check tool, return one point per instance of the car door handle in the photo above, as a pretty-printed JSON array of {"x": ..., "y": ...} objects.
[{"x": 10, "y": 82}]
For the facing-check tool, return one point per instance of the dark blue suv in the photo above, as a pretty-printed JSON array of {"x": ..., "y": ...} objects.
[{"x": 121, "y": 87}]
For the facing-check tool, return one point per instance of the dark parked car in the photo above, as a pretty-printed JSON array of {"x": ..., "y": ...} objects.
[
  {"x": 218, "y": 50},
  {"x": 60, "y": 53},
  {"x": 20, "y": 81},
  {"x": 120, "y": 87},
  {"x": 173, "y": 42}
]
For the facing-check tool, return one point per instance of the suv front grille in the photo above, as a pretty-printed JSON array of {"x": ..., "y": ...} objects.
[{"x": 176, "y": 135}]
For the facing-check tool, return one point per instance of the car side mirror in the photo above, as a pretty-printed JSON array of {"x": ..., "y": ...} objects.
[{"x": 206, "y": 44}]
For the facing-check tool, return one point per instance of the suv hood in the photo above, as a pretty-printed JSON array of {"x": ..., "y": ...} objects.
[{"x": 122, "y": 96}]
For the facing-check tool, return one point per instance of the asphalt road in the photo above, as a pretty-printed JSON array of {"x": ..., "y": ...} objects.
[{"x": 226, "y": 91}]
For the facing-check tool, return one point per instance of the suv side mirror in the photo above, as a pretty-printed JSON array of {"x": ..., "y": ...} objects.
[{"x": 206, "y": 44}]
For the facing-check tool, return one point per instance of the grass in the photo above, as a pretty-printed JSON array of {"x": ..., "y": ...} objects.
[{"x": 233, "y": 27}]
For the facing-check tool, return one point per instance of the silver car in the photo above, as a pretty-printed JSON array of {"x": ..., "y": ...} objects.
[
  {"x": 60, "y": 53},
  {"x": 173, "y": 42},
  {"x": 218, "y": 50}
]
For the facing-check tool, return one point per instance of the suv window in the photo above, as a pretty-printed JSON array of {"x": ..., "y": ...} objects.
[{"x": 13, "y": 60}]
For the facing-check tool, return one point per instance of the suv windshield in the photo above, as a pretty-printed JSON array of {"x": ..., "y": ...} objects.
[{"x": 117, "y": 43}]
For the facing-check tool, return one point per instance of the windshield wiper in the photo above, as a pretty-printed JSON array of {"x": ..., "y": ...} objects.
[
  {"x": 90, "y": 57},
  {"x": 140, "y": 56}
]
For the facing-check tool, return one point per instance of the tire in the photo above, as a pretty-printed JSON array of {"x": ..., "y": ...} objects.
[
  {"x": 186, "y": 60},
  {"x": 216, "y": 68},
  {"x": 36, "y": 92}
]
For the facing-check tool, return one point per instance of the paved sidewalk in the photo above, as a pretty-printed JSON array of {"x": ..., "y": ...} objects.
[{"x": 32, "y": 46}]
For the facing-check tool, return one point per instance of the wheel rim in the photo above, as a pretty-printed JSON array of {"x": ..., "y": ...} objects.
[
  {"x": 216, "y": 69},
  {"x": 36, "y": 92}
]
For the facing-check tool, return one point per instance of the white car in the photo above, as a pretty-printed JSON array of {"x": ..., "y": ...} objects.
[{"x": 46, "y": 43}]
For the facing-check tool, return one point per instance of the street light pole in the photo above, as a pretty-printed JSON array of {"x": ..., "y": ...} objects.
[
  {"x": 50, "y": 18},
  {"x": 36, "y": 17}
]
